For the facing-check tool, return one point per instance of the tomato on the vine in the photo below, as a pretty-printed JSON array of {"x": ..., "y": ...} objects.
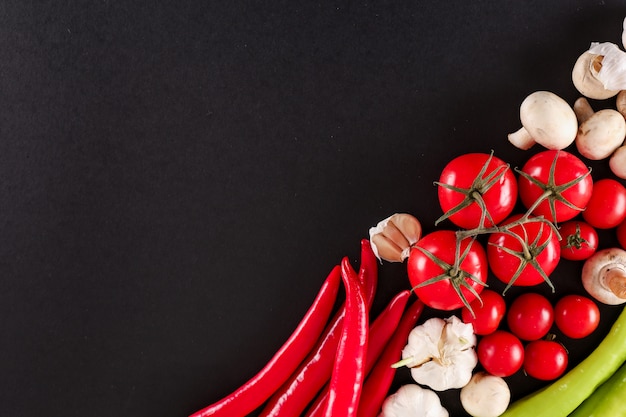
[
  {"x": 579, "y": 240},
  {"x": 562, "y": 181},
  {"x": 475, "y": 188},
  {"x": 530, "y": 316},
  {"x": 501, "y": 353},
  {"x": 488, "y": 312},
  {"x": 526, "y": 254},
  {"x": 607, "y": 207},
  {"x": 440, "y": 281},
  {"x": 576, "y": 316},
  {"x": 545, "y": 359}
]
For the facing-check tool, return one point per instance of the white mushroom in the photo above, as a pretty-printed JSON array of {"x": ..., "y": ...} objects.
[
  {"x": 600, "y": 133},
  {"x": 604, "y": 276},
  {"x": 617, "y": 163},
  {"x": 585, "y": 77},
  {"x": 548, "y": 120},
  {"x": 620, "y": 102},
  {"x": 485, "y": 396},
  {"x": 413, "y": 400}
]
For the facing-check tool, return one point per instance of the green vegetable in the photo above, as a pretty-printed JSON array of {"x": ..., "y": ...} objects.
[
  {"x": 562, "y": 397},
  {"x": 607, "y": 400}
]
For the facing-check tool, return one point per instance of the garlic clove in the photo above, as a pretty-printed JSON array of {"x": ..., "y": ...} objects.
[{"x": 393, "y": 237}]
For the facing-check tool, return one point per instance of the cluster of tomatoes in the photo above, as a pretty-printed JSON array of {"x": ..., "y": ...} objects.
[
  {"x": 529, "y": 319},
  {"x": 448, "y": 269}
]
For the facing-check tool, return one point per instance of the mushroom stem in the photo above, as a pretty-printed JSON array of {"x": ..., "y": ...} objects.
[
  {"x": 583, "y": 109},
  {"x": 521, "y": 139},
  {"x": 620, "y": 102},
  {"x": 615, "y": 280}
]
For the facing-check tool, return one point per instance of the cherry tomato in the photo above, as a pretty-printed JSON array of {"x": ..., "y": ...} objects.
[
  {"x": 545, "y": 359},
  {"x": 607, "y": 207},
  {"x": 432, "y": 274},
  {"x": 576, "y": 316},
  {"x": 525, "y": 264},
  {"x": 501, "y": 353},
  {"x": 621, "y": 234},
  {"x": 487, "y": 315},
  {"x": 477, "y": 176},
  {"x": 579, "y": 240},
  {"x": 561, "y": 174},
  {"x": 530, "y": 316}
]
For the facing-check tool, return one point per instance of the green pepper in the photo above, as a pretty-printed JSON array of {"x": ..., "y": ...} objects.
[
  {"x": 607, "y": 400},
  {"x": 562, "y": 397}
]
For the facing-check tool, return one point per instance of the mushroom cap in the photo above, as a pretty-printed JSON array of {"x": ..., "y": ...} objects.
[
  {"x": 617, "y": 163},
  {"x": 584, "y": 77},
  {"x": 596, "y": 266},
  {"x": 549, "y": 120},
  {"x": 600, "y": 135}
]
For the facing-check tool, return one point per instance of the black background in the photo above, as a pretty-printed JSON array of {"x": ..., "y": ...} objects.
[{"x": 178, "y": 178}]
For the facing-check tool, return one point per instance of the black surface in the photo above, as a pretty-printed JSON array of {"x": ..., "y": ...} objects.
[{"x": 177, "y": 178}]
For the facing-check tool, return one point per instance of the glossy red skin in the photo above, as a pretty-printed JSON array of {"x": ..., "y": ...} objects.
[
  {"x": 545, "y": 360},
  {"x": 576, "y": 316},
  {"x": 504, "y": 265},
  {"x": 530, "y": 316},
  {"x": 607, "y": 207},
  {"x": 621, "y": 234},
  {"x": 441, "y": 295},
  {"x": 500, "y": 199},
  {"x": 588, "y": 245},
  {"x": 488, "y": 315},
  {"x": 568, "y": 167},
  {"x": 501, "y": 353}
]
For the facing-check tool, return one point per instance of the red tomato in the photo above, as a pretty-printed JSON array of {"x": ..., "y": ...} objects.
[
  {"x": 621, "y": 234},
  {"x": 545, "y": 359},
  {"x": 524, "y": 264},
  {"x": 487, "y": 315},
  {"x": 432, "y": 274},
  {"x": 475, "y": 176},
  {"x": 576, "y": 316},
  {"x": 579, "y": 240},
  {"x": 607, "y": 206},
  {"x": 561, "y": 174},
  {"x": 501, "y": 353},
  {"x": 530, "y": 316}
]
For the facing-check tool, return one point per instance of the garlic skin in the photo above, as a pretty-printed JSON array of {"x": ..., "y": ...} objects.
[
  {"x": 393, "y": 237},
  {"x": 412, "y": 400},
  {"x": 612, "y": 75},
  {"x": 440, "y": 353}
]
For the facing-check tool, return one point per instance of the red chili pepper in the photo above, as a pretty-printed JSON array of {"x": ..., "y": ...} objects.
[
  {"x": 379, "y": 380},
  {"x": 349, "y": 367},
  {"x": 381, "y": 331},
  {"x": 260, "y": 387},
  {"x": 300, "y": 389}
]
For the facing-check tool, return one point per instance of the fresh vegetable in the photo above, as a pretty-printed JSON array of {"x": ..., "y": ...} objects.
[
  {"x": 579, "y": 240},
  {"x": 476, "y": 189},
  {"x": 526, "y": 253},
  {"x": 501, "y": 353},
  {"x": 530, "y": 316},
  {"x": 485, "y": 395},
  {"x": 393, "y": 237},
  {"x": 446, "y": 275},
  {"x": 348, "y": 370},
  {"x": 604, "y": 276},
  {"x": 260, "y": 387},
  {"x": 315, "y": 370},
  {"x": 440, "y": 353},
  {"x": 381, "y": 330},
  {"x": 486, "y": 313},
  {"x": 546, "y": 119},
  {"x": 545, "y": 359},
  {"x": 607, "y": 207},
  {"x": 607, "y": 400},
  {"x": 555, "y": 184},
  {"x": 565, "y": 394},
  {"x": 412, "y": 400},
  {"x": 617, "y": 162},
  {"x": 600, "y": 133},
  {"x": 576, "y": 316},
  {"x": 381, "y": 376},
  {"x": 585, "y": 77}
]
